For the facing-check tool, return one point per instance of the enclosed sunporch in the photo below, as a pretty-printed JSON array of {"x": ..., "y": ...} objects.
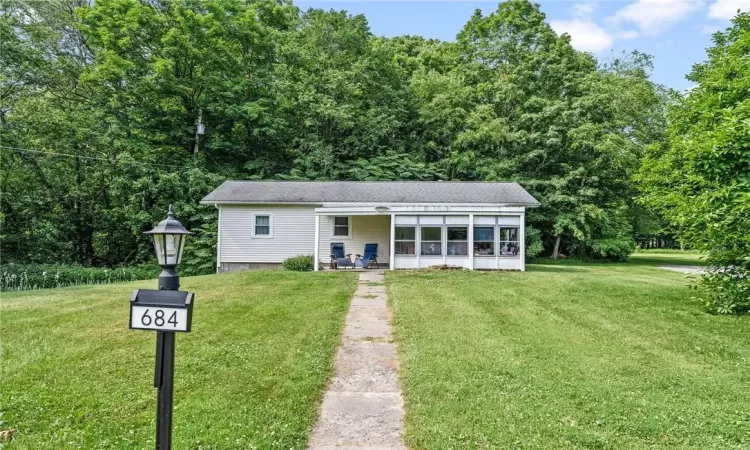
[{"x": 412, "y": 237}]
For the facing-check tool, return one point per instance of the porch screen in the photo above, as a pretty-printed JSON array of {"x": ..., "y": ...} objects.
[
  {"x": 432, "y": 238},
  {"x": 484, "y": 241},
  {"x": 508, "y": 241},
  {"x": 405, "y": 240},
  {"x": 458, "y": 241}
]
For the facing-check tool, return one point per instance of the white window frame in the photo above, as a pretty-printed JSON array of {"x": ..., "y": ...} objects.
[
  {"x": 448, "y": 241},
  {"x": 333, "y": 228},
  {"x": 415, "y": 240},
  {"x": 494, "y": 241},
  {"x": 500, "y": 240},
  {"x": 441, "y": 241},
  {"x": 270, "y": 226}
]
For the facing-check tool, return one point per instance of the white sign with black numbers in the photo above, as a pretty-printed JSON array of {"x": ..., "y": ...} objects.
[{"x": 159, "y": 318}]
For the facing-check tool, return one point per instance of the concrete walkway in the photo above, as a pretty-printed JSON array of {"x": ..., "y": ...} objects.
[
  {"x": 683, "y": 269},
  {"x": 363, "y": 408}
]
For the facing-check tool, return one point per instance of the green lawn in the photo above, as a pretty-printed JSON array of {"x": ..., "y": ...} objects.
[
  {"x": 641, "y": 258},
  {"x": 675, "y": 257},
  {"x": 249, "y": 375},
  {"x": 568, "y": 356}
]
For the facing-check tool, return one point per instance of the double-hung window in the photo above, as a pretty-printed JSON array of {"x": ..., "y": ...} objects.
[
  {"x": 261, "y": 225},
  {"x": 484, "y": 241},
  {"x": 405, "y": 240},
  {"x": 432, "y": 241},
  {"x": 458, "y": 241},
  {"x": 508, "y": 241},
  {"x": 342, "y": 227}
]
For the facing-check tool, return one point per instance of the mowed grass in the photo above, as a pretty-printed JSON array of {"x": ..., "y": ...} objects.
[
  {"x": 249, "y": 375},
  {"x": 673, "y": 258},
  {"x": 604, "y": 356}
]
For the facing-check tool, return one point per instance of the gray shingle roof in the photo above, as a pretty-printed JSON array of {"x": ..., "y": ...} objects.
[{"x": 492, "y": 193}]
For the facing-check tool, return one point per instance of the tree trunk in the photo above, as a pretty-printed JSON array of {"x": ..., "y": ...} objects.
[{"x": 556, "y": 248}]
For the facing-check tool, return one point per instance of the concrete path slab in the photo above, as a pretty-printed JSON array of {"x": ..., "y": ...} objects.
[
  {"x": 366, "y": 367},
  {"x": 360, "y": 418},
  {"x": 363, "y": 407},
  {"x": 378, "y": 302}
]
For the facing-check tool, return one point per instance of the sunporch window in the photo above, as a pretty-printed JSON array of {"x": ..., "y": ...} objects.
[
  {"x": 484, "y": 241},
  {"x": 432, "y": 239},
  {"x": 405, "y": 242},
  {"x": 458, "y": 241},
  {"x": 508, "y": 241}
]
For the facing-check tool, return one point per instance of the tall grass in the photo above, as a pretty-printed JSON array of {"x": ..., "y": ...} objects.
[{"x": 23, "y": 277}]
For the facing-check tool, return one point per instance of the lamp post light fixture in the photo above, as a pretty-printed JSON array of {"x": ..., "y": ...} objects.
[
  {"x": 166, "y": 311},
  {"x": 169, "y": 242}
]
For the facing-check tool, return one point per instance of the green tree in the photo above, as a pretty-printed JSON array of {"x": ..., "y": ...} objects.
[
  {"x": 340, "y": 93},
  {"x": 517, "y": 102},
  {"x": 700, "y": 180}
]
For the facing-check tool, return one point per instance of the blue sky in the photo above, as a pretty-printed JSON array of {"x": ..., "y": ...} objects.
[{"x": 675, "y": 32}]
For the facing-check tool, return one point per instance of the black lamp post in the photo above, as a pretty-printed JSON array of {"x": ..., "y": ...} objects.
[{"x": 169, "y": 242}]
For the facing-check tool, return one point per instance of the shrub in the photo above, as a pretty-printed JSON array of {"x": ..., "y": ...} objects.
[
  {"x": 726, "y": 285},
  {"x": 534, "y": 245},
  {"x": 22, "y": 277},
  {"x": 200, "y": 253},
  {"x": 300, "y": 263},
  {"x": 609, "y": 249}
]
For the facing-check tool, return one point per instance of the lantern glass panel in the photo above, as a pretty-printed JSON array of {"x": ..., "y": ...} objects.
[
  {"x": 159, "y": 248},
  {"x": 168, "y": 248}
]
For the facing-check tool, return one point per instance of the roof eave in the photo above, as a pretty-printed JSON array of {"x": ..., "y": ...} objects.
[{"x": 246, "y": 202}]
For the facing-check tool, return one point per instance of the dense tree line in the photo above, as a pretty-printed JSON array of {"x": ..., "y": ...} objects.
[
  {"x": 99, "y": 103},
  {"x": 699, "y": 179}
]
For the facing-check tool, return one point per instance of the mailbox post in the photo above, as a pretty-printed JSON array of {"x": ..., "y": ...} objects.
[{"x": 166, "y": 311}]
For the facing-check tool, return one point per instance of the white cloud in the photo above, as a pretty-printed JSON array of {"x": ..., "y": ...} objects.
[
  {"x": 584, "y": 35},
  {"x": 655, "y": 16},
  {"x": 727, "y": 9},
  {"x": 583, "y": 9},
  {"x": 628, "y": 34}
]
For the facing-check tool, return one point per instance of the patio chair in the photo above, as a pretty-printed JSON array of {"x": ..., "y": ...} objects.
[
  {"x": 370, "y": 256},
  {"x": 338, "y": 257}
]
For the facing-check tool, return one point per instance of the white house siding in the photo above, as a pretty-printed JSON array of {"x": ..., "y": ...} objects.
[
  {"x": 292, "y": 233},
  {"x": 365, "y": 230}
]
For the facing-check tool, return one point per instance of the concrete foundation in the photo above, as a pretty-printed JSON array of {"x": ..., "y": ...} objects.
[{"x": 238, "y": 267}]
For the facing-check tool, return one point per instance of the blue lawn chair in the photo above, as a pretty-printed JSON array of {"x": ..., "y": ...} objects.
[
  {"x": 338, "y": 258},
  {"x": 370, "y": 256}
]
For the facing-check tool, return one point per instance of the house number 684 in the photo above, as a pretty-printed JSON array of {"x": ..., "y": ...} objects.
[{"x": 158, "y": 318}]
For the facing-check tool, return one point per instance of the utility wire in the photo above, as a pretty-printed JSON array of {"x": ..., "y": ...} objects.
[{"x": 49, "y": 153}]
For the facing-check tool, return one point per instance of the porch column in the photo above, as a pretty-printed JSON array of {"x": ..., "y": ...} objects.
[
  {"x": 316, "y": 253},
  {"x": 471, "y": 242},
  {"x": 522, "y": 241},
  {"x": 392, "y": 246}
]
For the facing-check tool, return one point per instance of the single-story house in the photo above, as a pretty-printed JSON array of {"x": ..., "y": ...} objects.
[{"x": 416, "y": 224}]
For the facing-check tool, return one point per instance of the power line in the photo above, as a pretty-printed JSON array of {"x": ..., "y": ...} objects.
[{"x": 49, "y": 153}]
